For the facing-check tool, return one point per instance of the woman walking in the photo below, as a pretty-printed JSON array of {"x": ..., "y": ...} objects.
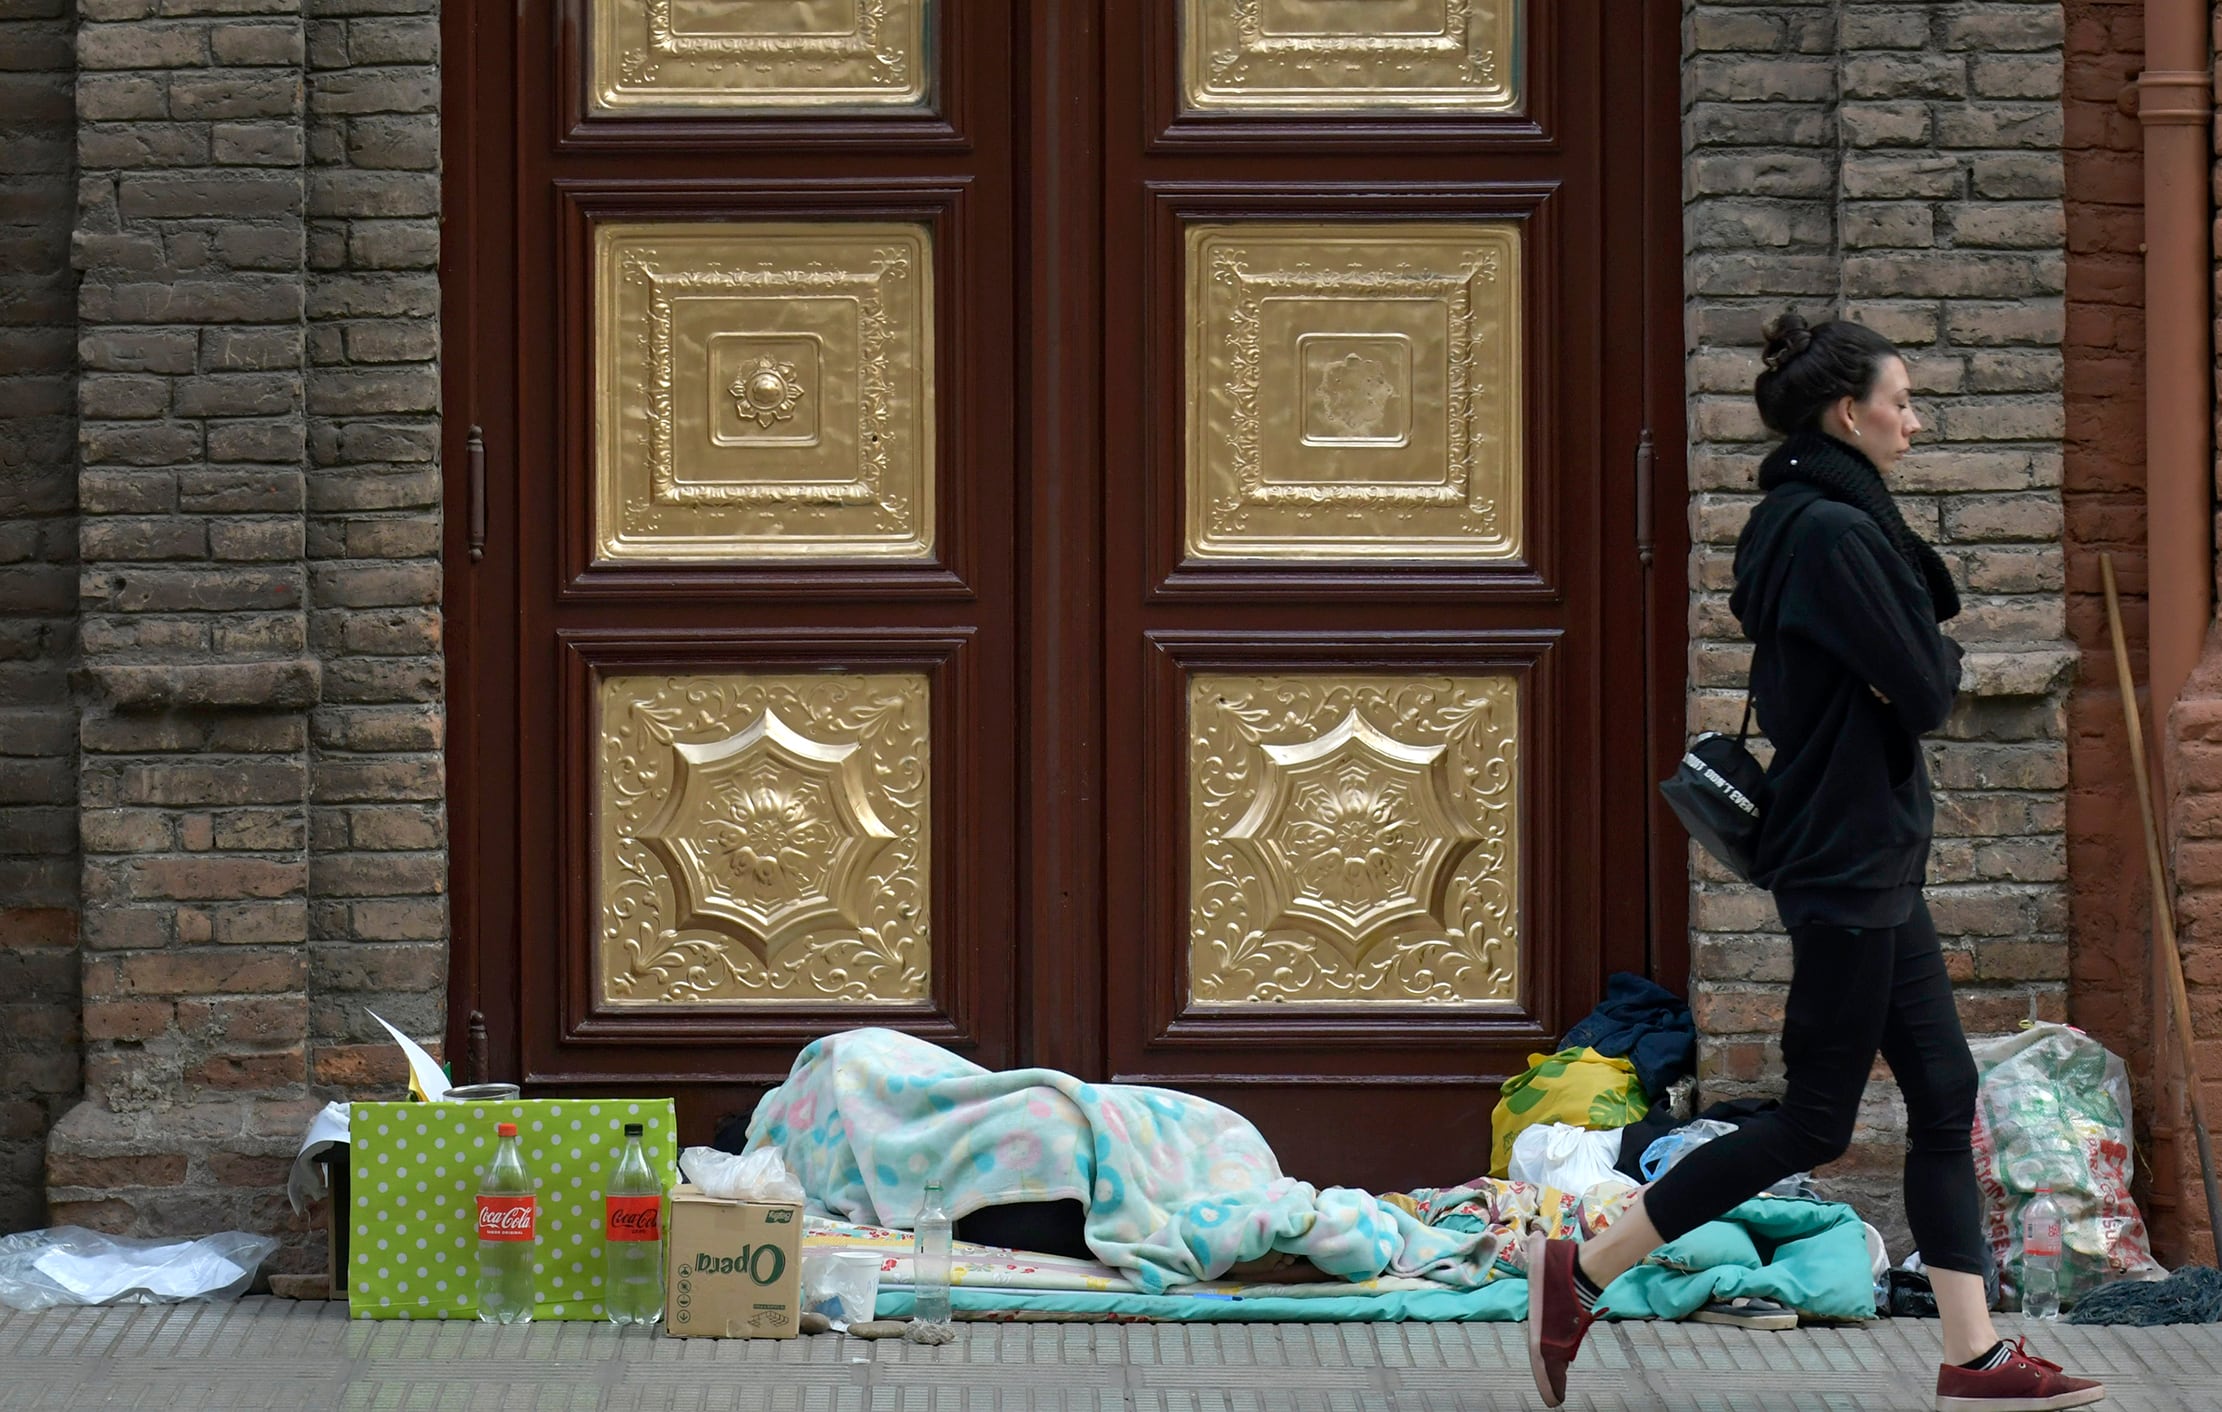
[{"x": 1842, "y": 602}]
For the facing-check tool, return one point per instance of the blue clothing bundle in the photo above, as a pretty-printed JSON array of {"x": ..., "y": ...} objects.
[{"x": 1650, "y": 1025}]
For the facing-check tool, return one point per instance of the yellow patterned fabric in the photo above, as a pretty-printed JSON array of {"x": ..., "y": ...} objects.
[{"x": 1577, "y": 1086}]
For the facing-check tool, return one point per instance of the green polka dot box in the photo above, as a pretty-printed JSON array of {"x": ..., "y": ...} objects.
[{"x": 413, "y": 1177}]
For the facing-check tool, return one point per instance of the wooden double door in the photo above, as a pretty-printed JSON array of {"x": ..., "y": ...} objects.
[{"x": 1107, "y": 535}]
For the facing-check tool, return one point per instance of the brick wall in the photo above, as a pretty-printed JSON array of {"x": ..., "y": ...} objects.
[
  {"x": 260, "y": 779},
  {"x": 38, "y": 547},
  {"x": 1899, "y": 162}
]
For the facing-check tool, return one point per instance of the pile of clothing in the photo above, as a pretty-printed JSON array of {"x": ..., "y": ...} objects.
[{"x": 1612, "y": 1071}]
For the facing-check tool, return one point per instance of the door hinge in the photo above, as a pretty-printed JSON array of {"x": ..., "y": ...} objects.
[
  {"x": 474, "y": 457},
  {"x": 1644, "y": 459}
]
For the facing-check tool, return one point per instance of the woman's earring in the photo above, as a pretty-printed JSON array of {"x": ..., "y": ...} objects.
[{"x": 1855, "y": 434}]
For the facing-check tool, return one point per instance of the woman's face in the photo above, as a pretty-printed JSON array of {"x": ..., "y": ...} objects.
[{"x": 1883, "y": 425}]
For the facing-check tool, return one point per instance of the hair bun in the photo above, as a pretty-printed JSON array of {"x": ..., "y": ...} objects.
[{"x": 1787, "y": 337}]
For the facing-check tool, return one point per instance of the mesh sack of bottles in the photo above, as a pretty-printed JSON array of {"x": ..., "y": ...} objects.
[{"x": 2053, "y": 1113}]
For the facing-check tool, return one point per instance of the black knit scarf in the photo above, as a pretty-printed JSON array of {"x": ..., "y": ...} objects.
[{"x": 1841, "y": 473}]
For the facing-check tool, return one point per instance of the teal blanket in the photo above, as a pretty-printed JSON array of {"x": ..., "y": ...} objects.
[
  {"x": 1810, "y": 1255},
  {"x": 1177, "y": 1189}
]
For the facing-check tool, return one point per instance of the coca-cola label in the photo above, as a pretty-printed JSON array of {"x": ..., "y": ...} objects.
[
  {"x": 628, "y": 1218},
  {"x": 506, "y": 1217}
]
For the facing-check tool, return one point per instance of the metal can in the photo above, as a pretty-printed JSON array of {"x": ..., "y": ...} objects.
[{"x": 482, "y": 1093}]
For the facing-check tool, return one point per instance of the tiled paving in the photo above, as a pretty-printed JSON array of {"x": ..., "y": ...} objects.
[{"x": 276, "y": 1354}]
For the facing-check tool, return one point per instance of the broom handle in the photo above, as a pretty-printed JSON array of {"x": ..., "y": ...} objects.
[{"x": 2164, "y": 900}]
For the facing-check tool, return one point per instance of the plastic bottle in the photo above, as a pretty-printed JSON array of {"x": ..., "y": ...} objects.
[
  {"x": 930, "y": 1260},
  {"x": 508, "y": 1218},
  {"x": 2040, "y": 1257},
  {"x": 632, "y": 1231}
]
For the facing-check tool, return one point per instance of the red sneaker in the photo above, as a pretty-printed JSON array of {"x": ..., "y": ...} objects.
[
  {"x": 1556, "y": 1321},
  {"x": 2020, "y": 1384}
]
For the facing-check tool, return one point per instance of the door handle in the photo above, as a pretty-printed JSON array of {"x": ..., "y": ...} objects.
[
  {"x": 474, "y": 459},
  {"x": 1644, "y": 459}
]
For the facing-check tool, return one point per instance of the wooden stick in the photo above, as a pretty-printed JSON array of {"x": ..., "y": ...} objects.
[{"x": 2164, "y": 902}]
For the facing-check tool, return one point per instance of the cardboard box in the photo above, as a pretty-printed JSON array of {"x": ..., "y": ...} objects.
[
  {"x": 734, "y": 1268},
  {"x": 412, "y": 1188}
]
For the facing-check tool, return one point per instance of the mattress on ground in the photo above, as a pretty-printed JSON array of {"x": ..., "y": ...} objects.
[{"x": 1809, "y": 1255}]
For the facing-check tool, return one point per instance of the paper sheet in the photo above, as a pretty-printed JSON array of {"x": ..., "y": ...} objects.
[{"x": 425, "y": 1074}]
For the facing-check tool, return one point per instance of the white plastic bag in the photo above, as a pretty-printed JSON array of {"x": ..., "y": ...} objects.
[
  {"x": 71, "y": 1265},
  {"x": 843, "y": 1285},
  {"x": 759, "y": 1176},
  {"x": 1566, "y": 1157}
]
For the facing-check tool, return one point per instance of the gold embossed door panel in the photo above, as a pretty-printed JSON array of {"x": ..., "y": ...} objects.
[
  {"x": 763, "y": 391},
  {"x": 1354, "y": 392},
  {"x": 1429, "y": 56},
  {"x": 764, "y": 839},
  {"x": 744, "y": 55},
  {"x": 1353, "y": 840}
]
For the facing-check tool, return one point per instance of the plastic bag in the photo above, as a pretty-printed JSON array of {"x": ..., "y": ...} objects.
[
  {"x": 1568, "y": 1158},
  {"x": 1659, "y": 1158},
  {"x": 2053, "y": 1110},
  {"x": 1661, "y": 1155},
  {"x": 759, "y": 1176},
  {"x": 843, "y": 1285},
  {"x": 71, "y": 1265}
]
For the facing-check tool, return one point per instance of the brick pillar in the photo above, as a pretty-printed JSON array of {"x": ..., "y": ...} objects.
[
  {"x": 194, "y": 784},
  {"x": 264, "y": 845},
  {"x": 378, "y": 875},
  {"x": 2194, "y": 747},
  {"x": 1900, "y": 163},
  {"x": 38, "y": 600}
]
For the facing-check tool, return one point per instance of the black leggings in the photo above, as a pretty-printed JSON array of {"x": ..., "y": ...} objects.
[{"x": 1853, "y": 992}]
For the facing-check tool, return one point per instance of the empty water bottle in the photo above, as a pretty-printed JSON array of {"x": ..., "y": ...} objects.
[
  {"x": 2040, "y": 1257},
  {"x": 632, "y": 1232},
  {"x": 929, "y": 1261}
]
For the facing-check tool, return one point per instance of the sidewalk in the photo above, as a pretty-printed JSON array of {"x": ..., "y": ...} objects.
[{"x": 306, "y": 1357}]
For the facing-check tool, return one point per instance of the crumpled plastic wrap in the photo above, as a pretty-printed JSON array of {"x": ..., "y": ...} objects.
[
  {"x": 69, "y": 1265},
  {"x": 759, "y": 1176},
  {"x": 2053, "y": 1111}
]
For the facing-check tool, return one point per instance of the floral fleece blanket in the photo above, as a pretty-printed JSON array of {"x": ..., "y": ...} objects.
[{"x": 1176, "y": 1189}]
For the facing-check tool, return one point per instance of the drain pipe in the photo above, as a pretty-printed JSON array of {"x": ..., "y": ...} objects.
[
  {"x": 2174, "y": 99},
  {"x": 2175, "y": 102}
]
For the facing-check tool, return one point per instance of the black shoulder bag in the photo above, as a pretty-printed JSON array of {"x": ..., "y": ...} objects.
[
  {"x": 1717, "y": 789},
  {"x": 1715, "y": 792}
]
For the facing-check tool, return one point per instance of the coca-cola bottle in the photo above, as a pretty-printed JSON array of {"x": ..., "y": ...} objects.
[
  {"x": 507, "y": 1217},
  {"x": 632, "y": 1230}
]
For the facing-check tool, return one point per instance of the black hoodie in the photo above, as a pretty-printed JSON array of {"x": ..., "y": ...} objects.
[{"x": 1849, "y": 671}]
